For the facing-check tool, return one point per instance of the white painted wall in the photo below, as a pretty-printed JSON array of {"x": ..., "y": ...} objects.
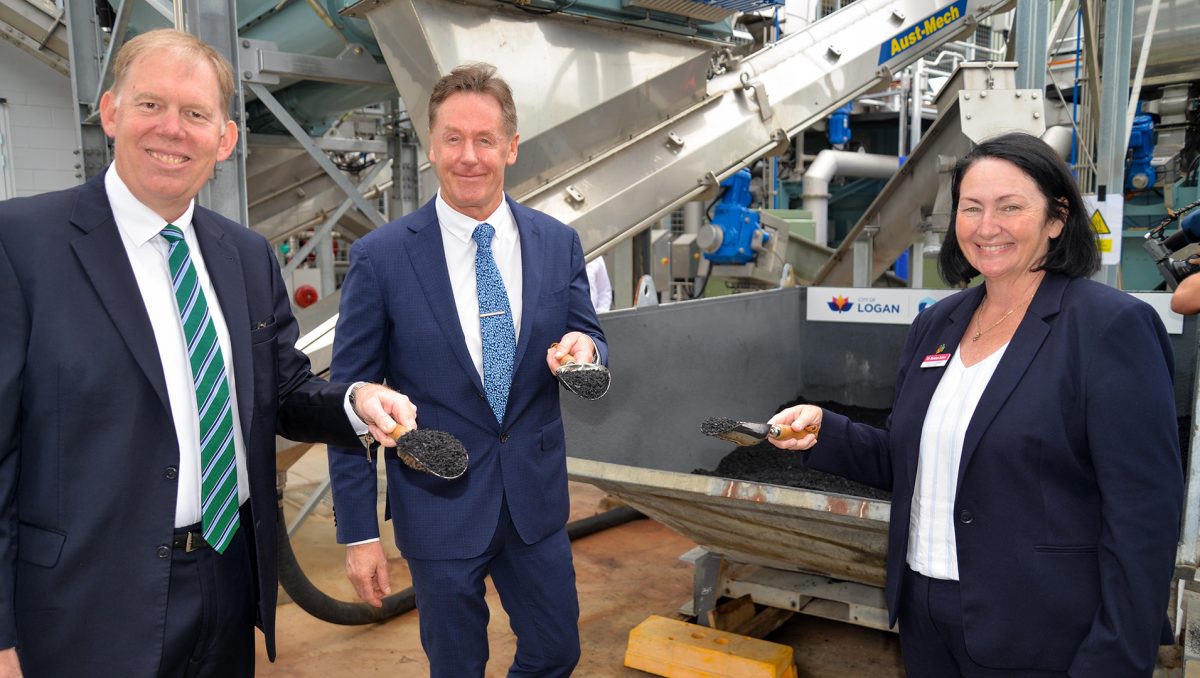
[{"x": 40, "y": 143}]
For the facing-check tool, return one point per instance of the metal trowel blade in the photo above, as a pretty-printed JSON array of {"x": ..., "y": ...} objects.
[{"x": 745, "y": 433}]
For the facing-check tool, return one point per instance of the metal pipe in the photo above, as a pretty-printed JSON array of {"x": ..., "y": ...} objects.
[
  {"x": 1136, "y": 91},
  {"x": 693, "y": 216},
  {"x": 831, "y": 163},
  {"x": 1060, "y": 138},
  {"x": 917, "y": 101}
]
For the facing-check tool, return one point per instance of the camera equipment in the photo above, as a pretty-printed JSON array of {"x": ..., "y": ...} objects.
[{"x": 1161, "y": 247}]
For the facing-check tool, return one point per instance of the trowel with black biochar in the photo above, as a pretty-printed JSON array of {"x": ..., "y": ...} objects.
[
  {"x": 748, "y": 433},
  {"x": 589, "y": 381},
  {"x": 434, "y": 452}
]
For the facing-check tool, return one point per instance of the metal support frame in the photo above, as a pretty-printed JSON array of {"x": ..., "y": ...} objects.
[
  {"x": 297, "y": 131},
  {"x": 31, "y": 19},
  {"x": 1114, "y": 98},
  {"x": 1032, "y": 23},
  {"x": 115, "y": 39},
  {"x": 916, "y": 102},
  {"x": 863, "y": 252},
  {"x": 262, "y": 63},
  {"x": 405, "y": 153},
  {"x": 320, "y": 234},
  {"x": 216, "y": 24},
  {"x": 331, "y": 144},
  {"x": 1135, "y": 92},
  {"x": 716, "y": 575},
  {"x": 91, "y": 144},
  {"x": 309, "y": 505},
  {"x": 705, "y": 591}
]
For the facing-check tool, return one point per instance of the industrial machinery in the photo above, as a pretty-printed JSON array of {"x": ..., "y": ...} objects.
[
  {"x": 737, "y": 242},
  {"x": 734, "y": 235},
  {"x": 1161, "y": 247}
]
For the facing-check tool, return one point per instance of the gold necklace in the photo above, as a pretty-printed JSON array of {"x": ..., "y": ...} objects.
[{"x": 980, "y": 333}]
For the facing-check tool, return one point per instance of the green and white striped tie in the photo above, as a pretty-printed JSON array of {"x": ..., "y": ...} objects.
[{"x": 218, "y": 472}]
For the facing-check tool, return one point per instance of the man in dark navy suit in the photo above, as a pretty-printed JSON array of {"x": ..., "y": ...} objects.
[
  {"x": 147, "y": 361},
  {"x": 467, "y": 306}
]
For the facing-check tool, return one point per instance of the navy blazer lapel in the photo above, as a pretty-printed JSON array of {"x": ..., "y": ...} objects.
[
  {"x": 924, "y": 381},
  {"x": 103, "y": 258},
  {"x": 1019, "y": 355},
  {"x": 533, "y": 256},
  {"x": 224, "y": 266},
  {"x": 428, "y": 258}
]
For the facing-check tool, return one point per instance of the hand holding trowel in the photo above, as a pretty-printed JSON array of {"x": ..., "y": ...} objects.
[
  {"x": 749, "y": 433},
  {"x": 589, "y": 381}
]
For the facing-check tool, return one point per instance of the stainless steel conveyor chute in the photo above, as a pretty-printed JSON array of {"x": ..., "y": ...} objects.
[{"x": 619, "y": 126}]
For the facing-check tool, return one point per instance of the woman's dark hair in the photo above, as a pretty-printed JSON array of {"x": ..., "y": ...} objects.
[{"x": 1073, "y": 253}]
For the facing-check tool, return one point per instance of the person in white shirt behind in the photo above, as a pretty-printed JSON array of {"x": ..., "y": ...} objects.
[{"x": 602, "y": 292}]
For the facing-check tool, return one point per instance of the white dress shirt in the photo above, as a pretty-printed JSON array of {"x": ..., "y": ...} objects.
[
  {"x": 460, "y": 249},
  {"x": 931, "y": 542},
  {"x": 599, "y": 285},
  {"x": 139, "y": 227}
]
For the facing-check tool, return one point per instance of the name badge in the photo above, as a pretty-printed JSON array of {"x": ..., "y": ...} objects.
[{"x": 935, "y": 360}]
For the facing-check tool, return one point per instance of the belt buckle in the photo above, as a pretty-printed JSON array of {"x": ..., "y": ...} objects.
[{"x": 188, "y": 546}]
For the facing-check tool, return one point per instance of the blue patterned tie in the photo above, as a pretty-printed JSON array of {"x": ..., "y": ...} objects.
[
  {"x": 218, "y": 477},
  {"x": 495, "y": 323}
]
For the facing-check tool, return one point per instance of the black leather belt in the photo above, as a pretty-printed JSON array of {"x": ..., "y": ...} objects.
[{"x": 189, "y": 541}]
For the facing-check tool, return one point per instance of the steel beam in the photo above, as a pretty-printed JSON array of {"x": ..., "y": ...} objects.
[
  {"x": 334, "y": 173},
  {"x": 1031, "y": 27}
]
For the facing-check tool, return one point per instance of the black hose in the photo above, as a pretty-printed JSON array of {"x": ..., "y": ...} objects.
[
  {"x": 317, "y": 603},
  {"x": 602, "y": 521}
]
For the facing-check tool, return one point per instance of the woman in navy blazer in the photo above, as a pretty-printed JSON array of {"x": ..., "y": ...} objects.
[{"x": 1032, "y": 451}]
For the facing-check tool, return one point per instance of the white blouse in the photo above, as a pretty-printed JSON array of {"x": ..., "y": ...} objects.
[{"x": 931, "y": 544}]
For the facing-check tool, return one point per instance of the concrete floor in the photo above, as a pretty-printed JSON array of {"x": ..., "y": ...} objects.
[{"x": 623, "y": 575}]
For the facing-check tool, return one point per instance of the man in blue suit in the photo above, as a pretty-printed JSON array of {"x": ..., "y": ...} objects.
[
  {"x": 467, "y": 307},
  {"x": 137, "y": 443}
]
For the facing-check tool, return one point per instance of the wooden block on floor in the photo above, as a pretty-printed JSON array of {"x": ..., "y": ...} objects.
[
  {"x": 731, "y": 615},
  {"x": 741, "y": 616},
  {"x": 676, "y": 649}
]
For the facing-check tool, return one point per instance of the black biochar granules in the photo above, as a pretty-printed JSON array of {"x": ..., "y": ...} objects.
[
  {"x": 717, "y": 425},
  {"x": 435, "y": 452},
  {"x": 588, "y": 384}
]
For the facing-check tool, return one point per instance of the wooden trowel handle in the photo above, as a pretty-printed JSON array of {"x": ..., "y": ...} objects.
[
  {"x": 567, "y": 359},
  {"x": 780, "y": 432}
]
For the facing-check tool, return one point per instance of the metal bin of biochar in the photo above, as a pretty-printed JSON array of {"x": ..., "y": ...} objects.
[{"x": 742, "y": 356}]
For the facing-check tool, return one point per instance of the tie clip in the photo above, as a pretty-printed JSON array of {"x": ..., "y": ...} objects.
[{"x": 492, "y": 314}]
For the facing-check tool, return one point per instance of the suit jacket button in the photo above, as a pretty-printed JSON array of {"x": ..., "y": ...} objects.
[
  {"x": 171, "y": 473},
  {"x": 481, "y": 396},
  {"x": 164, "y": 551},
  {"x": 966, "y": 518},
  {"x": 504, "y": 437}
]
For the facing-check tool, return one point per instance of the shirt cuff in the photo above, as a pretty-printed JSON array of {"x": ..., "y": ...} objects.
[
  {"x": 360, "y": 426},
  {"x": 365, "y": 541},
  {"x": 595, "y": 351}
]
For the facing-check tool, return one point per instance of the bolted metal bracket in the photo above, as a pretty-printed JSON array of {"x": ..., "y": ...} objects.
[
  {"x": 573, "y": 196},
  {"x": 262, "y": 63},
  {"x": 758, "y": 92},
  {"x": 674, "y": 142}
]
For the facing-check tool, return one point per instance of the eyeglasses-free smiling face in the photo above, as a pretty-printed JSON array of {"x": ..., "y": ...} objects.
[
  {"x": 469, "y": 149},
  {"x": 1003, "y": 224},
  {"x": 168, "y": 129}
]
